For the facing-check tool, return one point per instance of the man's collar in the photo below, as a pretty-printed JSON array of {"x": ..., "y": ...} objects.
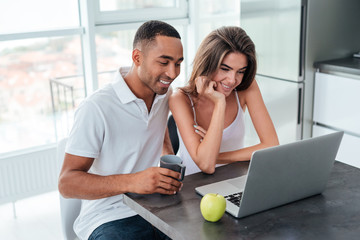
[{"x": 121, "y": 88}]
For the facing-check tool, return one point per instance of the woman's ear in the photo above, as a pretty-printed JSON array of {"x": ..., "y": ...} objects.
[{"x": 137, "y": 57}]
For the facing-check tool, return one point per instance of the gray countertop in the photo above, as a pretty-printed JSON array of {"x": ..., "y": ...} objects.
[
  {"x": 350, "y": 65},
  {"x": 334, "y": 214}
]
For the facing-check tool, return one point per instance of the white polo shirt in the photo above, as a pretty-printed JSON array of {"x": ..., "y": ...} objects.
[{"x": 114, "y": 127}]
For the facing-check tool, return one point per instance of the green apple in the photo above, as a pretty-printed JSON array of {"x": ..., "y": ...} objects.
[{"x": 212, "y": 207}]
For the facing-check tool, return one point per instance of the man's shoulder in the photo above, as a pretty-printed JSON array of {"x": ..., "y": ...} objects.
[
  {"x": 99, "y": 98},
  {"x": 101, "y": 93}
]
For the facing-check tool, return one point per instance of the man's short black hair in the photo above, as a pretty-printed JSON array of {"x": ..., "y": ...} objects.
[{"x": 150, "y": 29}]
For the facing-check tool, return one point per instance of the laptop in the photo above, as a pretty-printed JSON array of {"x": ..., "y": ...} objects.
[{"x": 279, "y": 175}]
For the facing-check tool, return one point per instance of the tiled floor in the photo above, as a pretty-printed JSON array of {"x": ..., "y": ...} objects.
[{"x": 37, "y": 218}]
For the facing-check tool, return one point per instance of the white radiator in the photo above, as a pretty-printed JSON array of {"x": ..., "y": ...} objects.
[{"x": 28, "y": 173}]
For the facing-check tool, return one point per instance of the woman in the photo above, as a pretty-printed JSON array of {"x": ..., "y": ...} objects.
[{"x": 209, "y": 110}]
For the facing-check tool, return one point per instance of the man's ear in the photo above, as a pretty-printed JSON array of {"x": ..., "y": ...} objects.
[{"x": 137, "y": 57}]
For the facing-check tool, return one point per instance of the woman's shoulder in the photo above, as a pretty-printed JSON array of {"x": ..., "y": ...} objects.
[
  {"x": 254, "y": 87},
  {"x": 179, "y": 95},
  {"x": 180, "y": 98},
  {"x": 248, "y": 94}
]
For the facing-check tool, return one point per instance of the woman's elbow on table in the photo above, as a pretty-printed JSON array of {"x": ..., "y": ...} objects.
[{"x": 207, "y": 168}]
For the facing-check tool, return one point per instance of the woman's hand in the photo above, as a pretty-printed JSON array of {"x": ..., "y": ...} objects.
[
  {"x": 205, "y": 87},
  {"x": 201, "y": 131}
]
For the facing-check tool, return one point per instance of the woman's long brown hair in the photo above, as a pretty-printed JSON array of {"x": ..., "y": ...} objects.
[{"x": 214, "y": 48}]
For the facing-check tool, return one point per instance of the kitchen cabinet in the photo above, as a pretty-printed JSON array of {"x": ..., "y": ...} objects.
[
  {"x": 349, "y": 150},
  {"x": 336, "y": 106},
  {"x": 336, "y": 102}
]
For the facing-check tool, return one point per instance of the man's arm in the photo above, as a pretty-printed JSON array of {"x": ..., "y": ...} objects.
[{"x": 76, "y": 182}]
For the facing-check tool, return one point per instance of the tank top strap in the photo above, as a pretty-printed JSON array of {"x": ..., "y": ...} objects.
[
  {"x": 193, "y": 107},
  {"x": 237, "y": 100}
]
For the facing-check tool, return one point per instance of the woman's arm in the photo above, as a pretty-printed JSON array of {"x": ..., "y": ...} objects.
[
  {"x": 167, "y": 147},
  {"x": 252, "y": 99},
  {"x": 204, "y": 153}
]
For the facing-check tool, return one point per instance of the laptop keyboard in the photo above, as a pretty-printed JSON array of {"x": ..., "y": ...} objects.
[{"x": 234, "y": 198}]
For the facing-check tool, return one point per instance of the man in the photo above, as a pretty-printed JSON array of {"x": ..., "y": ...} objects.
[{"x": 117, "y": 139}]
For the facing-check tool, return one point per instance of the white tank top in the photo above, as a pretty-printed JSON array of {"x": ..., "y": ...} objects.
[{"x": 232, "y": 139}]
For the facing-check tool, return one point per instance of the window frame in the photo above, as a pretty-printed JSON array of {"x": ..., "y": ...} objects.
[
  {"x": 139, "y": 15},
  {"x": 42, "y": 34}
]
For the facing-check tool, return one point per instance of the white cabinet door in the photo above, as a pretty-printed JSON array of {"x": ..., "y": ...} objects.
[
  {"x": 282, "y": 101},
  {"x": 349, "y": 151},
  {"x": 336, "y": 102}
]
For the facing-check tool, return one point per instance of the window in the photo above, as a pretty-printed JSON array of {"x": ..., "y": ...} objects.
[
  {"x": 206, "y": 27},
  {"x": 117, "y": 11},
  {"x": 114, "y": 5},
  {"x": 26, "y": 112},
  {"x": 215, "y": 14},
  {"x": 35, "y": 15},
  {"x": 223, "y": 8},
  {"x": 49, "y": 58},
  {"x": 207, "y": 15},
  {"x": 37, "y": 51},
  {"x": 114, "y": 49}
]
